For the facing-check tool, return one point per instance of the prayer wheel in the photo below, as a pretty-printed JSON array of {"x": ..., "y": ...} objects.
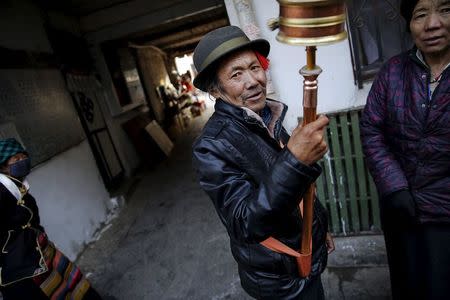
[
  {"x": 308, "y": 23},
  {"x": 311, "y": 22}
]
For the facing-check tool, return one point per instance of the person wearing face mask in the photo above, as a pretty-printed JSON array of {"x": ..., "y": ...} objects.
[
  {"x": 31, "y": 267},
  {"x": 405, "y": 130}
]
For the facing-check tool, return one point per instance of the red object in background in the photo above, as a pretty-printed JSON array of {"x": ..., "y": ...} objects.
[
  {"x": 187, "y": 86},
  {"x": 186, "y": 83}
]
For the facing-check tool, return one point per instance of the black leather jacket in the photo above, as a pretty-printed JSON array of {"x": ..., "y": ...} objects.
[{"x": 256, "y": 186}]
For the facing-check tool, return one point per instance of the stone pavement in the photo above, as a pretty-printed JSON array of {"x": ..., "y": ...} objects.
[{"x": 168, "y": 243}]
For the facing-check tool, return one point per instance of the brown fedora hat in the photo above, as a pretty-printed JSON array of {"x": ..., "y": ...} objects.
[{"x": 219, "y": 43}]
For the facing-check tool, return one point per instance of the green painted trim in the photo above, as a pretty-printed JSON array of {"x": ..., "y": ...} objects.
[
  {"x": 339, "y": 175},
  {"x": 360, "y": 173},
  {"x": 352, "y": 199},
  {"x": 350, "y": 173},
  {"x": 332, "y": 199},
  {"x": 320, "y": 190}
]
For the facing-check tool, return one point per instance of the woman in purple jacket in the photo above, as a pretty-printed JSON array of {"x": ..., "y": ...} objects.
[{"x": 405, "y": 131}]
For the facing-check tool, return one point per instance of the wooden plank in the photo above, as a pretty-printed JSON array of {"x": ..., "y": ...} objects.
[
  {"x": 339, "y": 175},
  {"x": 332, "y": 201},
  {"x": 360, "y": 173},
  {"x": 320, "y": 188},
  {"x": 350, "y": 174}
]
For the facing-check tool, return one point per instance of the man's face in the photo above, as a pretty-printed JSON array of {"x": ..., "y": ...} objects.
[
  {"x": 242, "y": 81},
  {"x": 430, "y": 27}
]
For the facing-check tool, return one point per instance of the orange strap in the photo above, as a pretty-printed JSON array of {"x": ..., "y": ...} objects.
[
  {"x": 277, "y": 246},
  {"x": 303, "y": 259}
]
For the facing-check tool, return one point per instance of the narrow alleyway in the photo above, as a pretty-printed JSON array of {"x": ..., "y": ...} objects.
[{"x": 168, "y": 243}]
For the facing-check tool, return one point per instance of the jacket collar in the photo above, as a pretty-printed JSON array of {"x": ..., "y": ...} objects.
[
  {"x": 12, "y": 187},
  {"x": 418, "y": 58},
  {"x": 249, "y": 117}
]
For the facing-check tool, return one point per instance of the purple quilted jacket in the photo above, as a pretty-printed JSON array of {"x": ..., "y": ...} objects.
[{"x": 406, "y": 136}]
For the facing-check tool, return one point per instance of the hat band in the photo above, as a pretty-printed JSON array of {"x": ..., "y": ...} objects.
[{"x": 228, "y": 45}]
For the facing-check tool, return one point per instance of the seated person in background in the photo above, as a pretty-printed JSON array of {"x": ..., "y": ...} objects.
[{"x": 186, "y": 83}]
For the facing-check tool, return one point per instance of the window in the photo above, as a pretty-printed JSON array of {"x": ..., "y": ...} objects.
[{"x": 377, "y": 32}]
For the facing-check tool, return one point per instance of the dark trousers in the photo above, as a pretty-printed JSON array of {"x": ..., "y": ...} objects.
[
  {"x": 419, "y": 260},
  {"x": 314, "y": 291}
]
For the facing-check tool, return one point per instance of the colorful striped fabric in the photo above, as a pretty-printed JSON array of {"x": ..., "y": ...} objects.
[{"x": 64, "y": 280}]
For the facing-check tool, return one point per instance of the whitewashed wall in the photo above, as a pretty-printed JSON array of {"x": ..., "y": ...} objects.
[
  {"x": 72, "y": 200},
  {"x": 337, "y": 90}
]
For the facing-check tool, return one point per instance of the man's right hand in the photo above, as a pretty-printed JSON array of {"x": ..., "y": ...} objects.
[{"x": 307, "y": 143}]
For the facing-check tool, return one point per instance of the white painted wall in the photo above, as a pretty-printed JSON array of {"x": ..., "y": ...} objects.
[
  {"x": 71, "y": 198},
  {"x": 337, "y": 89}
]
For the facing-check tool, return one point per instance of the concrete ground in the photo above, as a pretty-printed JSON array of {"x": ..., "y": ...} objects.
[{"x": 168, "y": 243}]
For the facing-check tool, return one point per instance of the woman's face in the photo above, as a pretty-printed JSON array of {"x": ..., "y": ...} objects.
[
  {"x": 11, "y": 160},
  {"x": 430, "y": 27}
]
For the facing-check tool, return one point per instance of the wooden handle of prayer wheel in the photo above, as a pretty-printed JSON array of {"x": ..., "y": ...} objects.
[
  {"x": 309, "y": 23},
  {"x": 310, "y": 72}
]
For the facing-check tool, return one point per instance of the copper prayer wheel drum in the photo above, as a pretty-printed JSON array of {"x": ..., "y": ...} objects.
[{"x": 311, "y": 22}]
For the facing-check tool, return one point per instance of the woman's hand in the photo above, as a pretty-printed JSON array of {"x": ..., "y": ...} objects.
[{"x": 330, "y": 243}]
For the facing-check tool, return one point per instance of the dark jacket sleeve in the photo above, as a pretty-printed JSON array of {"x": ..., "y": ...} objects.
[
  {"x": 13, "y": 216},
  {"x": 385, "y": 169},
  {"x": 30, "y": 202},
  {"x": 2, "y": 212},
  {"x": 249, "y": 209}
]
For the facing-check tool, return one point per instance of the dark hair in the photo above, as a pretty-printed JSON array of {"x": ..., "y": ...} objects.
[
  {"x": 214, "y": 84},
  {"x": 3, "y": 166},
  {"x": 212, "y": 81},
  {"x": 406, "y": 10}
]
